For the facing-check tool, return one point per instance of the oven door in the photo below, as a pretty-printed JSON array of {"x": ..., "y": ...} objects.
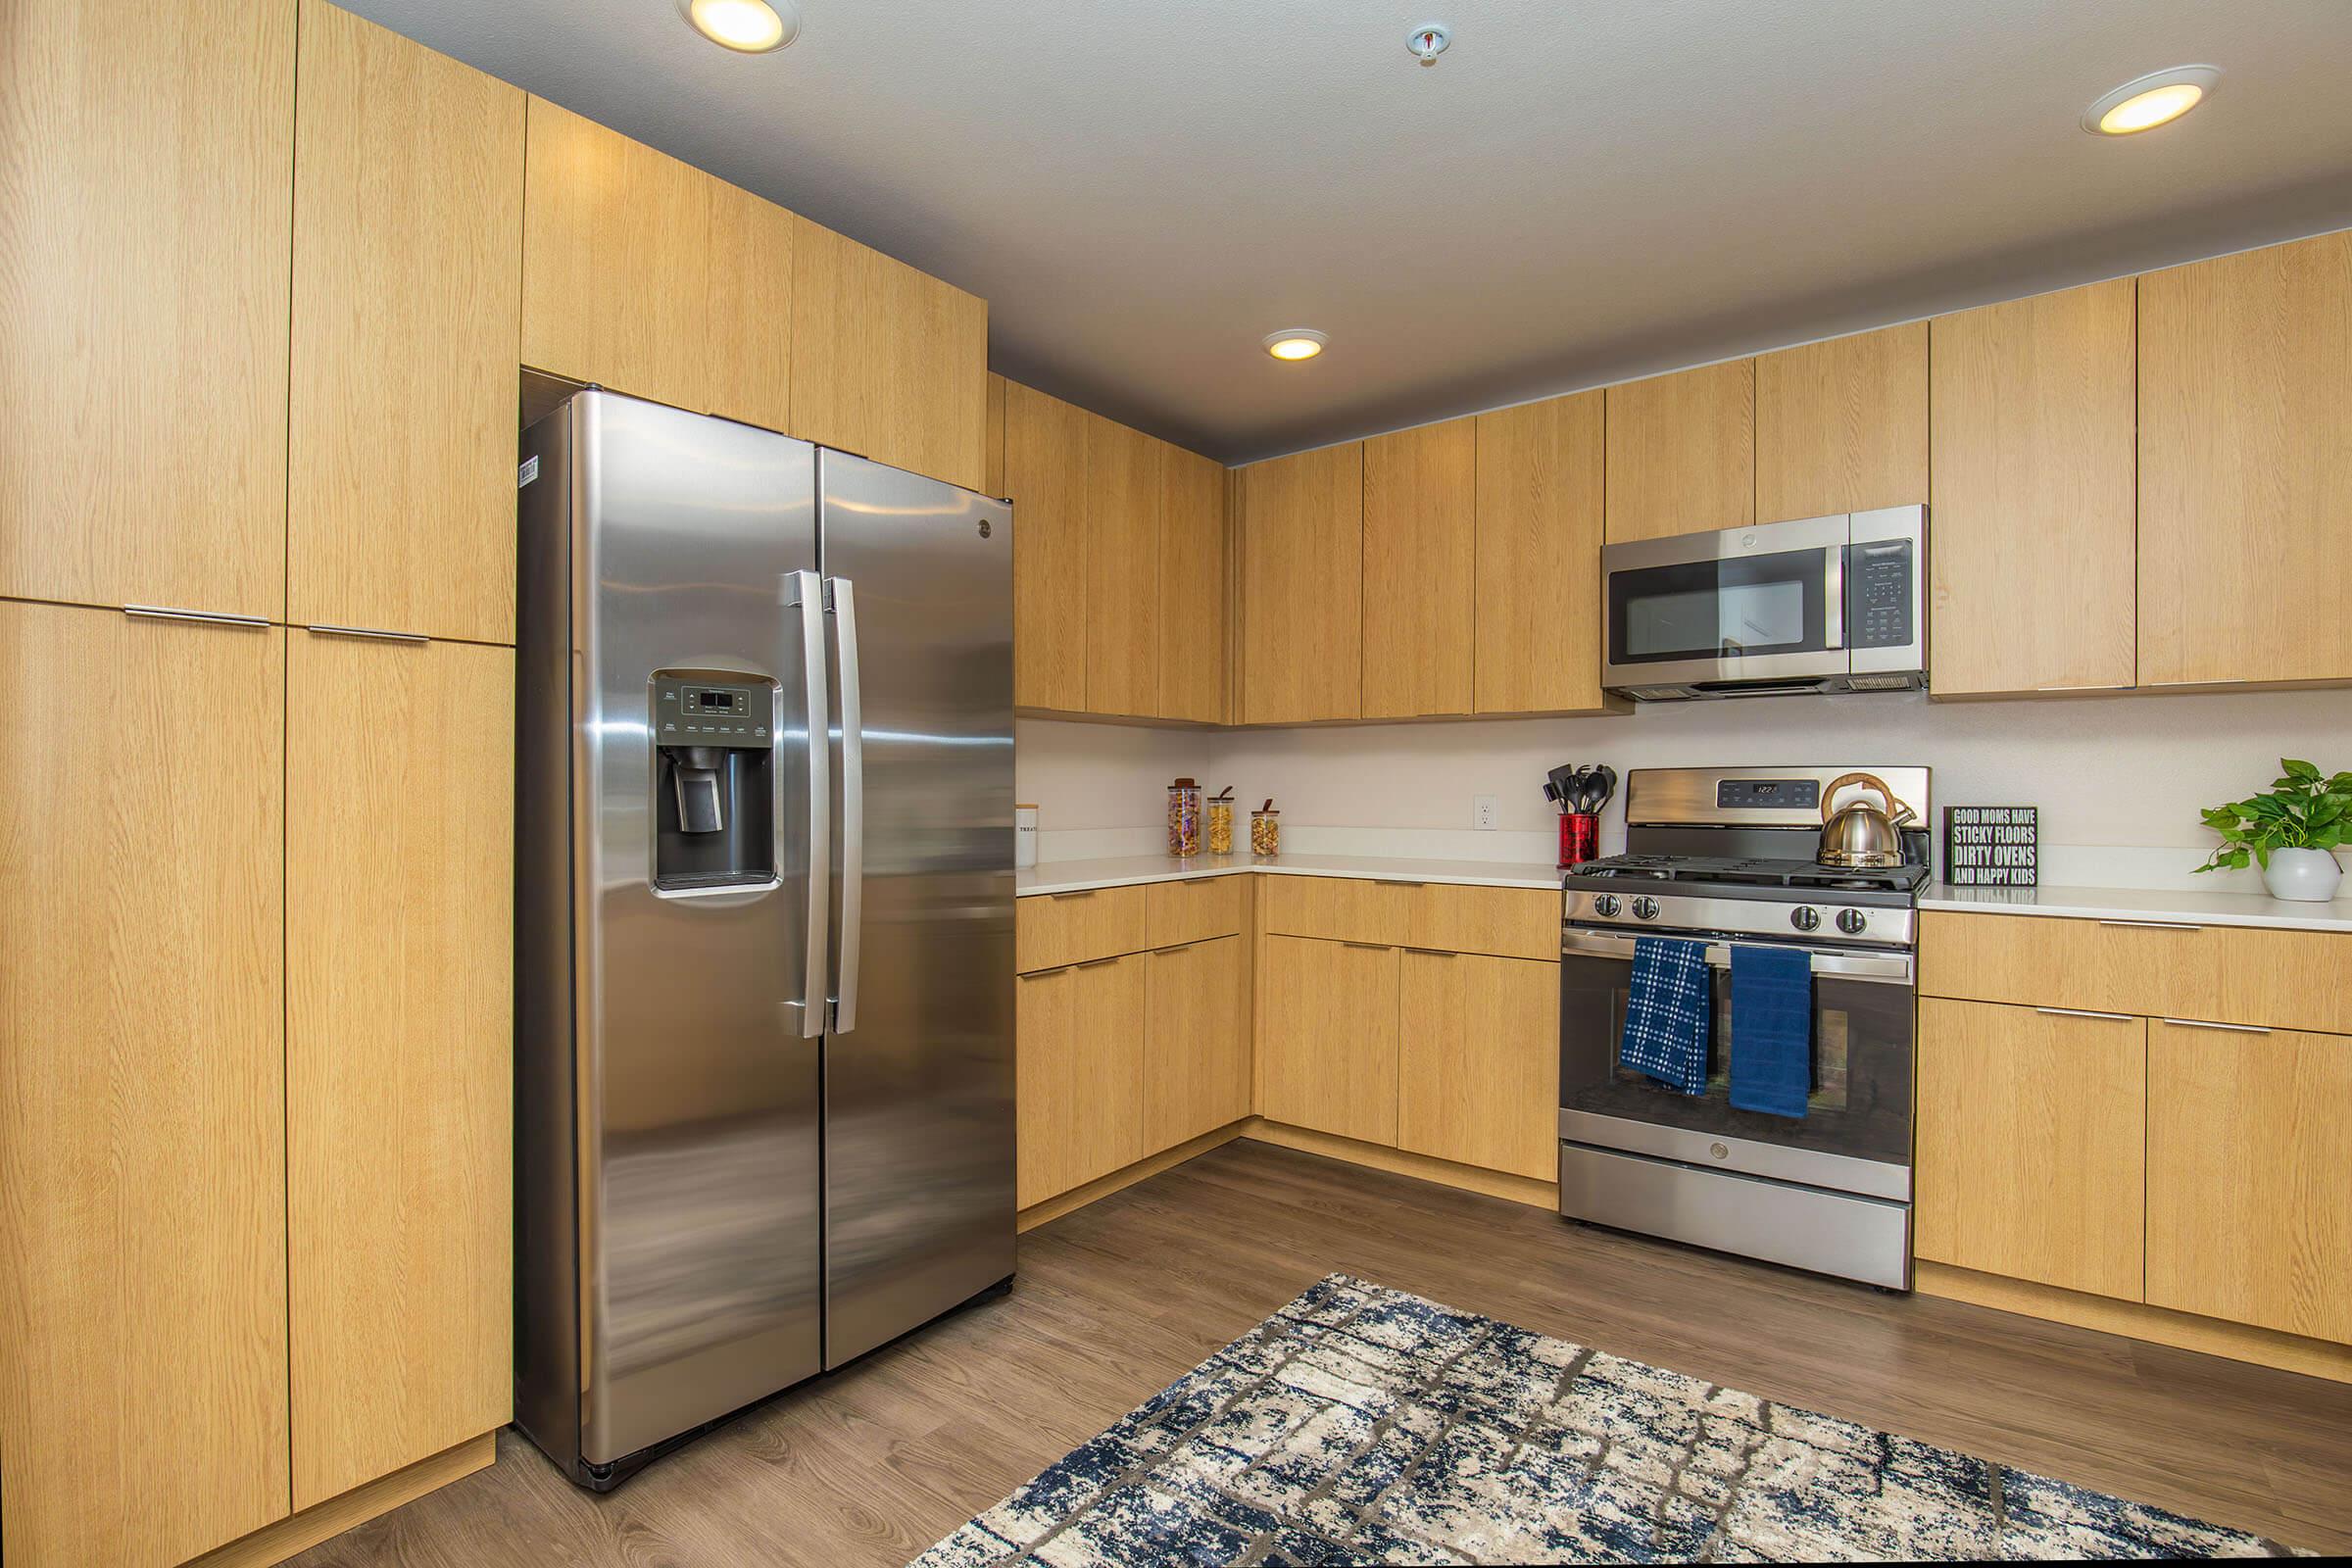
[
  {"x": 1855, "y": 1135},
  {"x": 1747, "y": 604}
]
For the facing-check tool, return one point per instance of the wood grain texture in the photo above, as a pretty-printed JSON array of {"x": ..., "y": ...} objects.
[
  {"x": 2227, "y": 974},
  {"x": 2249, "y": 1211},
  {"x": 1045, "y": 474},
  {"x": 407, "y": 214},
  {"x": 1479, "y": 1061},
  {"x": 142, "y": 1091},
  {"x": 1077, "y": 1197},
  {"x": 1079, "y": 1070},
  {"x": 749, "y": 325},
  {"x": 1337, "y": 909},
  {"x": 1327, "y": 1037},
  {"x": 1507, "y": 922},
  {"x": 1843, "y": 425},
  {"x": 275, "y": 1543},
  {"x": 1195, "y": 910},
  {"x": 1192, "y": 588},
  {"x": 1196, "y": 1055},
  {"x": 1053, "y": 929},
  {"x": 887, "y": 362},
  {"x": 2032, "y": 420},
  {"x": 144, "y": 245},
  {"x": 1115, "y": 1300},
  {"x": 2029, "y": 1157},
  {"x": 616, "y": 260},
  {"x": 1538, "y": 621},
  {"x": 1541, "y": 1194},
  {"x": 1420, "y": 553},
  {"x": 400, "y": 915},
  {"x": 1302, "y": 569},
  {"x": 2245, "y": 478},
  {"x": 1682, "y": 453},
  {"x": 993, "y": 441},
  {"x": 1125, "y": 503}
]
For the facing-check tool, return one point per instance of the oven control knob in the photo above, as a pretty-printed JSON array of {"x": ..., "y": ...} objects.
[
  {"x": 1805, "y": 917},
  {"x": 1851, "y": 921},
  {"x": 1606, "y": 905},
  {"x": 1645, "y": 907}
]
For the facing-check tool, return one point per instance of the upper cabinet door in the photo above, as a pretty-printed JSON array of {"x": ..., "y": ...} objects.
[
  {"x": 1303, "y": 537},
  {"x": 993, "y": 452},
  {"x": 886, "y": 362},
  {"x": 1192, "y": 588},
  {"x": 1124, "y": 503},
  {"x": 2030, "y": 568},
  {"x": 1046, "y": 475},
  {"x": 407, "y": 212},
  {"x": 1843, "y": 425},
  {"x": 143, "y": 270},
  {"x": 1682, "y": 453},
  {"x": 1539, "y": 558},
  {"x": 751, "y": 327},
  {"x": 1419, "y": 569},
  {"x": 615, "y": 261},
  {"x": 2245, "y": 474}
]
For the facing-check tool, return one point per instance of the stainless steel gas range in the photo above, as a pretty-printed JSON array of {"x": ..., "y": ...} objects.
[{"x": 1724, "y": 856}]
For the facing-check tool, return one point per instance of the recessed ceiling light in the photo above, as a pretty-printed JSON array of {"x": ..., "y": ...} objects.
[
  {"x": 1295, "y": 343},
  {"x": 746, "y": 26},
  {"x": 2156, "y": 99}
]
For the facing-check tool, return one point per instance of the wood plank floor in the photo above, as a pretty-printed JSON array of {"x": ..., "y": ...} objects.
[{"x": 1119, "y": 1299}]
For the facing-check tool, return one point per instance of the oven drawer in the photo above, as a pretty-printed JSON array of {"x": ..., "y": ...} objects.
[
  {"x": 2168, "y": 970},
  {"x": 1053, "y": 929}
]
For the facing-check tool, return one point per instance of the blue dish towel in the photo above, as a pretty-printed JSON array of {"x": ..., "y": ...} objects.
[
  {"x": 1771, "y": 1030},
  {"x": 1668, "y": 1013}
]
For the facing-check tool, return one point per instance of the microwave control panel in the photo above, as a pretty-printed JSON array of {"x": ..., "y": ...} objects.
[{"x": 1879, "y": 595}]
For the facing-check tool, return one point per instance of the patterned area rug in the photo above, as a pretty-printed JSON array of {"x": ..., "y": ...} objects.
[{"x": 1361, "y": 1424}]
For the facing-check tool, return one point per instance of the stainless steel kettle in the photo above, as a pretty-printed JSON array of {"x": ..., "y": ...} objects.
[{"x": 1860, "y": 836}]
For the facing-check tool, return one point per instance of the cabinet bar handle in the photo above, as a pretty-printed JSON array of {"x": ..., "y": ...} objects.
[
  {"x": 205, "y": 618},
  {"x": 1181, "y": 947},
  {"x": 1080, "y": 893},
  {"x": 368, "y": 632},
  {"x": 1096, "y": 964},
  {"x": 2227, "y": 1028},
  {"x": 1436, "y": 952},
  {"x": 1368, "y": 947},
  {"x": 2085, "y": 1013},
  {"x": 2156, "y": 925}
]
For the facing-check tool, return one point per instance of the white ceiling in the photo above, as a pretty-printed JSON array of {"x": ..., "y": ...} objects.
[{"x": 1578, "y": 191}]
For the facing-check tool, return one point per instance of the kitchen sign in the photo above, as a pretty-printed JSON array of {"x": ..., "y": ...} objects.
[{"x": 1991, "y": 845}]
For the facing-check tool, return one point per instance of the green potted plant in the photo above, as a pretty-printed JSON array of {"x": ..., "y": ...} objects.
[{"x": 2291, "y": 830}]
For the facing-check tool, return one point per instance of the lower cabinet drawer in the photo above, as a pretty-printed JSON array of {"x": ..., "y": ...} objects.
[
  {"x": 1195, "y": 910},
  {"x": 1507, "y": 922},
  {"x": 1051, "y": 929},
  {"x": 1336, "y": 908}
]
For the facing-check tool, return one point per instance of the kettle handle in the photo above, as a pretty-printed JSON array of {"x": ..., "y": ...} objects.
[{"x": 1897, "y": 811}]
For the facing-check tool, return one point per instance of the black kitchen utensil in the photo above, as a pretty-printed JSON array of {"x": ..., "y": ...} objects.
[{"x": 1559, "y": 786}]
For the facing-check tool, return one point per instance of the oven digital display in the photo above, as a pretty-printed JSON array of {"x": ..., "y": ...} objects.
[{"x": 1769, "y": 794}]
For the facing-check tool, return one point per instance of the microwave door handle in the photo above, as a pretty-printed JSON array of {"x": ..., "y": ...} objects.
[
  {"x": 1833, "y": 597},
  {"x": 844, "y": 596},
  {"x": 809, "y": 594}
]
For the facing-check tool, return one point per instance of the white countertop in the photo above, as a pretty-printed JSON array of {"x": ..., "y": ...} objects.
[
  {"x": 1129, "y": 870},
  {"x": 2143, "y": 904}
]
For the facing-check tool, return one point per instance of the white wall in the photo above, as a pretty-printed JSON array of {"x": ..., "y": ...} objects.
[{"x": 2117, "y": 779}]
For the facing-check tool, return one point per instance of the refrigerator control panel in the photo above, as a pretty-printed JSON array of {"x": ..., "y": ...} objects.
[{"x": 695, "y": 713}]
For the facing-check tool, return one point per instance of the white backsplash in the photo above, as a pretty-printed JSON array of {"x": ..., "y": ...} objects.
[{"x": 2117, "y": 779}]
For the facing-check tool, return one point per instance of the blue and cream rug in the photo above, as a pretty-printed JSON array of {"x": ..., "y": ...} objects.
[{"x": 1360, "y": 1424}]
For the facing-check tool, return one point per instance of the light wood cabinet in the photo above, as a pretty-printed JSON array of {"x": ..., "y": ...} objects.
[
  {"x": 1125, "y": 503},
  {"x": 1337, "y": 909},
  {"x": 399, "y": 1053},
  {"x": 1843, "y": 425},
  {"x": 1302, "y": 586},
  {"x": 1053, "y": 929},
  {"x": 1327, "y": 1037},
  {"x": 2246, "y": 478},
  {"x": 1538, "y": 614},
  {"x": 1420, "y": 526},
  {"x": 143, "y": 1407},
  {"x": 408, "y": 229},
  {"x": 750, "y": 331},
  {"x": 1197, "y": 1058},
  {"x": 1479, "y": 1060},
  {"x": 1195, "y": 910},
  {"x": 1192, "y": 588},
  {"x": 1507, "y": 922},
  {"x": 1682, "y": 453},
  {"x": 1079, "y": 1075},
  {"x": 2030, "y": 1161},
  {"x": 143, "y": 332},
  {"x": 2034, "y": 409},
  {"x": 1046, "y": 475},
  {"x": 887, "y": 362},
  {"x": 993, "y": 442},
  {"x": 2249, "y": 1211}
]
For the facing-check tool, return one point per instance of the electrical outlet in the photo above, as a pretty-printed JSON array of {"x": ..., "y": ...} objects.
[{"x": 1482, "y": 811}]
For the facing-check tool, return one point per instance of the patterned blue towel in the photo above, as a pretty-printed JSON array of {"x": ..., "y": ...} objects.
[
  {"x": 1772, "y": 1029},
  {"x": 1668, "y": 1013}
]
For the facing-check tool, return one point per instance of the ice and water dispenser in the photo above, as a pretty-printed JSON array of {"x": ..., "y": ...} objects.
[{"x": 713, "y": 792}]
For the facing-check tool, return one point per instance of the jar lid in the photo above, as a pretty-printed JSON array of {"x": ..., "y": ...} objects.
[{"x": 1184, "y": 784}]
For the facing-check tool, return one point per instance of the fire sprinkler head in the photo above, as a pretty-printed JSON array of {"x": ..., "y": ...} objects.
[{"x": 1428, "y": 41}]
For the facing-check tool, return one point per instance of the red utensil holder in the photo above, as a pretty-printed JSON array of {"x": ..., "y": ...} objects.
[{"x": 1580, "y": 838}]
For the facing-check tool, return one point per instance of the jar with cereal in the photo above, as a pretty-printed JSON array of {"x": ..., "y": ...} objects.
[
  {"x": 1265, "y": 830},
  {"x": 1184, "y": 818}
]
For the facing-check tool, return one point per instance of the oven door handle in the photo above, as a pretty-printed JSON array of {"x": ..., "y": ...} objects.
[{"x": 1872, "y": 968}]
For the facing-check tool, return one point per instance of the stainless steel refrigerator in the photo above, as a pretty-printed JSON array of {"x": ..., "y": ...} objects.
[{"x": 763, "y": 978}]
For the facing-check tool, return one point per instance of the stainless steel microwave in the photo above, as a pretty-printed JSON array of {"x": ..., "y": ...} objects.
[{"x": 1830, "y": 604}]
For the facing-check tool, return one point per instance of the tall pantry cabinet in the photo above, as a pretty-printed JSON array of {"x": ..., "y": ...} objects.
[{"x": 255, "y": 1086}]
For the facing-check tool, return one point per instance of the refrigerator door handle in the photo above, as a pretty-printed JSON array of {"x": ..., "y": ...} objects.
[
  {"x": 808, "y": 593},
  {"x": 843, "y": 595}
]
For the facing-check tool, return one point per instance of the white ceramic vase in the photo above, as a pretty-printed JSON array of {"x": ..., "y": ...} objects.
[{"x": 2307, "y": 876}]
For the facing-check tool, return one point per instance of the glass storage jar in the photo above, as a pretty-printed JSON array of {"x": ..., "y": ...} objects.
[
  {"x": 1184, "y": 818},
  {"x": 1265, "y": 830}
]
